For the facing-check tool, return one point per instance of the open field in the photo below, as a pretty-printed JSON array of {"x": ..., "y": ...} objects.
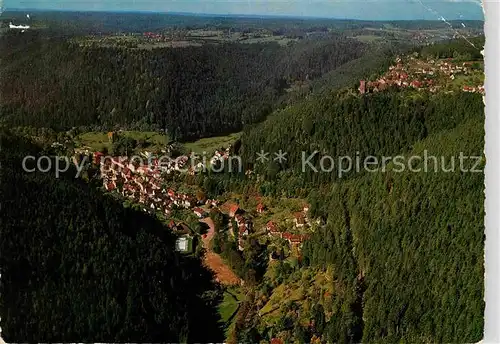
[
  {"x": 99, "y": 140},
  {"x": 230, "y": 303},
  {"x": 368, "y": 38},
  {"x": 181, "y": 39},
  {"x": 211, "y": 144}
]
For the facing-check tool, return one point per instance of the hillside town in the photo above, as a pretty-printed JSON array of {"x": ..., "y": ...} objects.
[
  {"x": 430, "y": 74},
  {"x": 144, "y": 184}
]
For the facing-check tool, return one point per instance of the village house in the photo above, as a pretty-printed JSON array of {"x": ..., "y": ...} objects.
[
  {"x": 199, "y": 212},
  {"x": 272, "y": 229},
  {"x": 274, "y": 256},
  {"x": 184, "y": 244},
  {"x": 231, "y": 209},
  {"x": 294, "y": 239},
  {"x": 212, "y": 202},
  {"x": 243, "y": 230},
  {"x": 261, "y": 208},
  {"x": 300, "y": 220},
  {"x": 110, "y": 186},
  {"x": 97, "y": 158}
]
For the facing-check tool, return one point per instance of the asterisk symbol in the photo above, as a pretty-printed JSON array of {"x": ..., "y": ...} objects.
[
  {"x": 262, "y": 156},
  {"x": 280, "y": 156}
]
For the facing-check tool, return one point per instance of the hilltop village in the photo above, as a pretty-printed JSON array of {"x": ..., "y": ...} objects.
[{"x": 428, "y": 74}]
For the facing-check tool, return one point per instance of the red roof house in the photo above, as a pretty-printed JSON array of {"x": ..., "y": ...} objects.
[
  {"x": 300, "y": 220},
  {"x": 233, "y": 209},
  {"x": 199, "y": 212},
  {"x": 272, "y": 229},
  {"x": 97, "y": 157}
]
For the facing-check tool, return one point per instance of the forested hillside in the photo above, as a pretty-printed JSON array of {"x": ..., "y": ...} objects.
[
  {"x": 78, "y": 266},
  {"x": 409, "y": 247},
  {"x": 402, "y": 250},
  {"x": 192, "y": 91}
]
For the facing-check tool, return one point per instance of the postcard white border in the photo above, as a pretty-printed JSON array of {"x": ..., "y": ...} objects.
[{"x": 492, "y": 173}]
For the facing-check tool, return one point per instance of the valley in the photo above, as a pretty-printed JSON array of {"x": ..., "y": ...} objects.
[{"x": 192, "y": 218}]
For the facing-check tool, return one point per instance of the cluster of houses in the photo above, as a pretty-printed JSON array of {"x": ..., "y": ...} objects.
[
  {"x": 243, "y": 225},
  {"x": 153, "y": 35},
  {"x": 143, "y": 184},
  {"x": 473, "y": 89},
  {"x": 163, "y": 165},
  {"x": 419, "y": 75},
  {"x": 295, "y": 240},
  {"x": 220, "y": 156}
]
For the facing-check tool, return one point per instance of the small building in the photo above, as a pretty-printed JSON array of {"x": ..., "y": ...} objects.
[
  {"x": 199, "y": 212},
  {"x": 230, "y": 208},
  {"x": 272, "y": 229},
  {"x": 97, "y": 157},
  {"x": 294, "y": 239},
  {"x": 233, "y": 210},
  {"x": 362, "y": 87},
  {"x": 110, "y": 186},
  {"x": 261, "y": 208},
  {"x": 184, "y": 244},
  {"x": 277, "y": 341},
  {"x": 243, "y": 230},
  {"x": 300, "y": 220}
]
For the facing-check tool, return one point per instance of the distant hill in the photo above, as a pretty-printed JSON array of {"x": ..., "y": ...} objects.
[{"x": 192, "y": 91}]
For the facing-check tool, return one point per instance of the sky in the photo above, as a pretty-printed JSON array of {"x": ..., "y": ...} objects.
[{"x": 342, "y": 9}]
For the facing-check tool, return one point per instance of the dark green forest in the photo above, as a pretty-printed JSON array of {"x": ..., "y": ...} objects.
[
  {"x": 192, "y": 92},
  {"x": 411, "y": 247},
  {"x": 404, "y": 249},
  {"x": 78, "y": 266}
]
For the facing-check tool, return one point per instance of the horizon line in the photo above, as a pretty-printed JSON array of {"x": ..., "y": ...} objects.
[{"x": 227, "y": 15}]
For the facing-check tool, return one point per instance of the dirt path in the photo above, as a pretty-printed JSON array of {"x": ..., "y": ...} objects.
[
  {"x": 214, "y": 262},
  {"x": 223, "y": 273},
  {"x": 211, "y": 231}
]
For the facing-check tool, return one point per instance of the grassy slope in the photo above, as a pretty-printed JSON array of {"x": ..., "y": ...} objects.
[
  {"x": 98, "y": 140},
  {"x": 210, "y": 145}
]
